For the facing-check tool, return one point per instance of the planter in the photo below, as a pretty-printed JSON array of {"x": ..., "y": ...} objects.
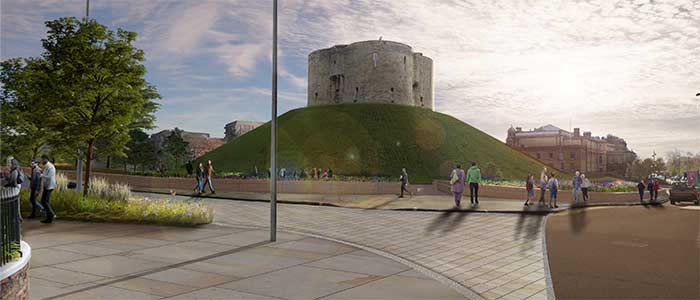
[{"x": 14, "y": 276}]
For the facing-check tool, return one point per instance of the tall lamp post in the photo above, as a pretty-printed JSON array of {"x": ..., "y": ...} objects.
[{"x": 273, "y": 142}]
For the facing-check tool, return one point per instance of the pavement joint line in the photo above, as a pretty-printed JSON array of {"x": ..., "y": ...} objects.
[
  {"x": 159, "y": 269},
  {"x": 460, "y": 288}
]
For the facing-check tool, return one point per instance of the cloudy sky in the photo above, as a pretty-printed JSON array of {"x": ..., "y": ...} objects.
[{"x": 630, "y": 68}]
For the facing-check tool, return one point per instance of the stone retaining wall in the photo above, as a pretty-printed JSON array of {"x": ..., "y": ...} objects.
[
  {"x": 263, "y": 186},
  {"x": 16, "y": 287},
  {"x": 508, "y": 192}
]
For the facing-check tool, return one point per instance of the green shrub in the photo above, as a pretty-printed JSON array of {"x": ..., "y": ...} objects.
[
  {"x": 100, "y": 188},
  {"x": 13, "y": 251},
  {"x": 70, "y": 204}
]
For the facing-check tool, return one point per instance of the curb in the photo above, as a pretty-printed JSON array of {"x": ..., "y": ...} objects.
[{"x": 549, "y": 284}]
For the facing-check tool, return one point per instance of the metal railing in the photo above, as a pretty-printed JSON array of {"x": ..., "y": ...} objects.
[{"x": 10, "y": 231}]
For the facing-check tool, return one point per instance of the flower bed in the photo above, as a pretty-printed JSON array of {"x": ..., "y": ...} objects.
[{"x": 113, "y": 203}]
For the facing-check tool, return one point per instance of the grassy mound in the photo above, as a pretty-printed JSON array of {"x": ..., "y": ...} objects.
[{"x": 372, "y": 140}]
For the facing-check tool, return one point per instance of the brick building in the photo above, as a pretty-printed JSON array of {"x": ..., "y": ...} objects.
[
  {"x": 198, "y": 143},
  {"x": 238, "y": 128},
  {"x": 571, "y": 151}
]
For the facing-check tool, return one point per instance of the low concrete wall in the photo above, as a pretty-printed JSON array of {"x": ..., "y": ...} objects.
[
  {"x": 508, "y": 192},
  {"x": 263, "y": 186},
  {"x": 15, "y": 277}
]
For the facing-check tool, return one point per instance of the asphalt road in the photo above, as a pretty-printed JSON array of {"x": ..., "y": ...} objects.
[{"x": 639, "y": 252}]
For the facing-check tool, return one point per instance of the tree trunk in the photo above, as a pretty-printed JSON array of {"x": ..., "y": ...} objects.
[
  {"x": 88, "y": 165},
  {"x": 35, "y": 152}
]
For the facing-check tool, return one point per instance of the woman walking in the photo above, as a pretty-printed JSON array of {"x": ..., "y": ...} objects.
[
  {"x": 530, "y": 187},
  {"x": 199, "y": 188},
  {"x": 553, "y": 185},
  {"x": 457, "y": 182}
]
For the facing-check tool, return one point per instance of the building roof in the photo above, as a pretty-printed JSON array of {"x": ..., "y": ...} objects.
[{"x": 549, "y": 127}]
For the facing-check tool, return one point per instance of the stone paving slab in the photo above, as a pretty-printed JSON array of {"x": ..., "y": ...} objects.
[
  {"x": 500, "y": 253},
  {"x": 156, "y": 262}
]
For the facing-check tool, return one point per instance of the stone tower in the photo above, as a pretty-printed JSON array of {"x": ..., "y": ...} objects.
[{"x": 370, "y": 71}]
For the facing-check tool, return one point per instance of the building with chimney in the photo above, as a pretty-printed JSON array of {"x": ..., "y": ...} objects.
[{"x": 572, "y": 151}]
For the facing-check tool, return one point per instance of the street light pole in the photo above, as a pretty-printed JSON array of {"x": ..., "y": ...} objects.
[
  {"x": 273, "y": 142},
  {"x": 87, "y": 10}
]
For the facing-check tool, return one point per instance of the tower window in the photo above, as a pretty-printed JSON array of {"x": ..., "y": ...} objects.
[
  {"x": 316, "y": 95},
  {"x": 392, "y": 101},
  {"x": 334, "y": 62},
  {"x": 392, "y": 89},
  {"x": 375, "y": 58}
]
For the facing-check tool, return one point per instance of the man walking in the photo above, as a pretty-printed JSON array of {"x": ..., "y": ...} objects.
[
  {"x": 210, "y": 172},
  {"x": 474, "y": 178},
  {"x": 199, "y": 188},
  {"x": 641, "y": 187},
  {"x": 34, "y": 189},
  {"x": 543, "y": 184},
  {"x": 404, "y": 182},
  {"x": 49, "y": 178},
  {"x": 577, "y": 188},
  {"x": 650, "y": 187}
]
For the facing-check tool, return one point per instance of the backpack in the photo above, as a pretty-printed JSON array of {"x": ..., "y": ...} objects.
[{"x": 20, "y": 176}]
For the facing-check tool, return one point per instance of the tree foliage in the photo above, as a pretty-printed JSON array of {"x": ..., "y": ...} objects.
[
  {"x": 640, "y": 169},
  {"x": 679, "y": 162},
  {"x": 176, "y": 147},
  {"x": 140, "y": 150},
  {"x": 88, "y": 86}
]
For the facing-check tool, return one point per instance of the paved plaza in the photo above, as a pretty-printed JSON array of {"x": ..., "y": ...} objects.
[
  {"x": 77, "y": 260},
  {"x": 480, "y": 255}
]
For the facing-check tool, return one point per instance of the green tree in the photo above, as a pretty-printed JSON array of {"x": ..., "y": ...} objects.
[
  {"x": 176, "y": 146},
  {"x": 640, "y": 169},
  {"x": 140, "y": 150},
  {"x": 97, "y": 79},
  {"x": 23, "y": 107}
]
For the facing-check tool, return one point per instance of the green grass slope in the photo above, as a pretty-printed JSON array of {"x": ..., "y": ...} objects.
[{"x": 371, "y": 139}]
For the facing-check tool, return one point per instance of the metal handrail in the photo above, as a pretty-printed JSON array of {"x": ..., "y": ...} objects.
[{"x": 10, "y": 231}]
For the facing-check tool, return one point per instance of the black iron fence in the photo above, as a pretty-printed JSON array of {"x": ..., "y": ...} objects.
[{"x": 9, "y": 223}]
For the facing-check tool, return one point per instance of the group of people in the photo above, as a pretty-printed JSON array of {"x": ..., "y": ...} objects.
[
  {"x": 458, "y": 180},
  {"x": 313, "y": 173},
  {"x": 40, "y": 182},
  {"x": 204, "y": 178},
  {"x": 652, "y": 186},
  {"x": 549, "y": 181}
]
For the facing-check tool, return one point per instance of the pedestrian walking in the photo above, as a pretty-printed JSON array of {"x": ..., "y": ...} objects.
[
  {"x": 199, "y": 188},
  {"x": 553, "y": 186},
  {"x": 641, "y": 187},
  {"x": 457, "y": 182},
  {"x": 34, "y": 189},
  {"x": 656, "y": 190},
  {"x": 330, "y": 174},
  {"x": 585, "y": 185},
  {"x": 530, "y": 188},
  {"x": 14, "y": 179},
  {"x": 210, "y": 173},
  {"x": 543, "y": 184},
  {"x": 49, "y": 179},
  {"x": 650, "y": 188},
  {"x": 576, "y": 182},
  {"x": 474, "y": 178},
  {"x": 404, "y": 182}
]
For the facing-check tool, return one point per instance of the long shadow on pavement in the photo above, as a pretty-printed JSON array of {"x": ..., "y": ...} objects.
[
  {"x": 448, "y": 221},
  {"x": 528, "y": 227}
]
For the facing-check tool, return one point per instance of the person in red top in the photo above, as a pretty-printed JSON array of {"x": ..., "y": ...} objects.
[{"x": 656, "y": 189}]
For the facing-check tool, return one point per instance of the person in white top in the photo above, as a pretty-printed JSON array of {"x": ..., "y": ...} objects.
[
  {"x": 49, "y": 178},
  {"x": 543, "y": 184},
  {"x": 585, "y": 184}
]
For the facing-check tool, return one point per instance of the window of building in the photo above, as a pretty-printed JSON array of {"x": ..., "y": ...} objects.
[
  {"x": 316, "y": 96},
  {"x": 375, "y": 58},
  {"x": 572, "y": 155},
  {"x": 538, "y": 155},
  {"x": 392, "y": 90},
  {"x": 551, "y": 155}
]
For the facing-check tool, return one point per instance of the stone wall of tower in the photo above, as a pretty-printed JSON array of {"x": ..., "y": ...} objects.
[{"x": 370, "y": 71}]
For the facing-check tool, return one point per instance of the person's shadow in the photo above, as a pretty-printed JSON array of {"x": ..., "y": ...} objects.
[
  {"x": 447, "y": 221},
  {"x": 577, "y": 220}
]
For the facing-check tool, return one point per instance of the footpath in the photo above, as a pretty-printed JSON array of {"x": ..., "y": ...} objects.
[
  {"x": 78, "y": 260},
  {"x": 393, "y": 202}
]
